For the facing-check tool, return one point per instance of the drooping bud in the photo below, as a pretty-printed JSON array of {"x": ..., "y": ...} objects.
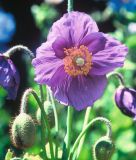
[
  {"x": 23, "y": 131},
  {"x": 103, "y": 149},
  {"x": 49, "y": 112},
  {"x": 125, "y": 99}
]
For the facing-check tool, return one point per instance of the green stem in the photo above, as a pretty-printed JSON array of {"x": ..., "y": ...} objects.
[
  {"x": 56, "y": 120},
  {"x": 87, "y": 116},
  {"x": 101, "y": 119},
  {"x": 119, "y": 76},
  {"x": 46, "y": 122},
  {"x": 43, "y": 138},
  {"x": 70, "y": 5},
  {"x": 18, "y": 49},
  {"x": 69, "y": 128},
  {"x": 54, "y": 110},
  {"x": 43, "y": 132},
  {"x": 70, "y": 110},
  {"x": 23, "y": 108}
]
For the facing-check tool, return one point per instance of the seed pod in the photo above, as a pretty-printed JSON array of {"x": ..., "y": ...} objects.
[
  {"x": 23, "y": 131},
  {"x": 49, "y": 112},
  {"x": 103, "y": 149}
]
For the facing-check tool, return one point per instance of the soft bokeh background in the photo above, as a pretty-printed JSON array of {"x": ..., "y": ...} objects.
[{"x": 27, "y": 22}]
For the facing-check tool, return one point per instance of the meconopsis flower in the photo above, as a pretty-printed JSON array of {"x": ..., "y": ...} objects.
[
  {"x": 129, "y": 5},
  {"x": 7, "y": 26},
  {"x": 75, "y": 60},
  {"x": 125, "y": 99},
  {"x": 9, "y": 76}
]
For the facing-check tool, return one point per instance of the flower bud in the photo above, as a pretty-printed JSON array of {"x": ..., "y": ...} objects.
[
  {"x": 23, "y": 131},
  {"x": 49, "y": 112},
  {"x": 125, "y": 99},
  {"x": 103, "y": 149}
]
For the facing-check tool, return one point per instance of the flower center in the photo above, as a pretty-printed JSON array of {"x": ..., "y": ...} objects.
[{"x": 78, "y": 61}]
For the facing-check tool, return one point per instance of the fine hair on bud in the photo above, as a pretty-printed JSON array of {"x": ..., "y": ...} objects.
[
  {"x": 23, "y": 131},
  {"x": 103, "y": 149},
  {"x": 49, "y": 112}
]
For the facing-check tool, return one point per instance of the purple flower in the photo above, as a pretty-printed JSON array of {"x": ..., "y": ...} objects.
[
  {"x": 75, "y": 60},
  {"x": 125, "y": 99},
  {"x": 9, "y": 76}
]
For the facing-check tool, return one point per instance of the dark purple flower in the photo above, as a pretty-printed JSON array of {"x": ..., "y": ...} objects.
[
  {"x": 9, "y": 76},
  {"x": 75, "y": 60},
  {"x": 125, "y": 99}
]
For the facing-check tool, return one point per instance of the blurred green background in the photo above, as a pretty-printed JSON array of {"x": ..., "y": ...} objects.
[{"x": 33, "y": 20}]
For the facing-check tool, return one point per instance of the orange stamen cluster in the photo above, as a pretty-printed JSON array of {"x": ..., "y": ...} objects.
[{"x": 78, "y": 61}]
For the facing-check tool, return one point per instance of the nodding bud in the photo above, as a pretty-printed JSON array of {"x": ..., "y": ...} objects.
[
  {"x": 125, "y": 99},
  {"x": 103, "y": 149},
  {"x": 49, "y": 112},
  {"x": 23, "y": 131}
]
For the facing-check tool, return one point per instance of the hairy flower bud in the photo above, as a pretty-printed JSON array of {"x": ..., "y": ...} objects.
[
  {"x": 23, "y": 131},
  {"x": 103, "y": 149},
  {"x": 125, "y": 99},
  {"x": 49, "y": 112}
]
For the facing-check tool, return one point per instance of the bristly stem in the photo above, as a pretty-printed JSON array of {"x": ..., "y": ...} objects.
[
  {"x": 69, "y": 128},
  {"x": 23, "y": 109},
  {"x": 44, "y": 118},
  {"x": 43, "y": 128},
  {"x": 70, "y": 5},
  {"x": 54, "y": 110},
  {"x": 86, "y": 119},
  {"x": 101, "y": 119},
  {"x": 56, "y": 120},
  {"x": 119, "y": 76},
  {"x": 18, "y": 48},
  {"x": 46, "y": 124}
]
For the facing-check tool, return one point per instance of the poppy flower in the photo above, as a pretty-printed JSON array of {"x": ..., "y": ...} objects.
[{"x": 75, "y": 59}]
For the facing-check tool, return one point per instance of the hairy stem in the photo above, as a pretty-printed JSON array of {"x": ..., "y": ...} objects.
[
  {"x": 19, "y": 48},
  {"x": 119, "y": 77},
  {"x": 69, "y": 128},
  {"x": 23, "y": 109},
  {"x": 70, "y": 5},
  {"x": 101, "y": 119},
  {"x": 56, "y": 120},
  {"x": 87, "y": 116}
]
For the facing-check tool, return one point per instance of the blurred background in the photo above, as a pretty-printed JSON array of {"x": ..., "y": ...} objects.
[{"x": 27, "y": 23}]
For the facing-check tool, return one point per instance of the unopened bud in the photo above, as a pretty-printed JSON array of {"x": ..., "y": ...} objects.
[
  {"x": 49, "y": 112},
  {"x": 103, "y": 149},
  {"x": 23, "y": 131},
  {"x": 125, "y": 99}
]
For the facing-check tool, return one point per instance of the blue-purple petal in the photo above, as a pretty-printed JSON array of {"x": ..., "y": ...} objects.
[
  {"x": 73, "y": 27},
  {"x": 9, "y": 77},
  {"x": 80, "y": 92},
  {"x": 111, "y": 57}
]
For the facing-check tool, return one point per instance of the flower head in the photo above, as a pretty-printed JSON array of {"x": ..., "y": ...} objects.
[
  {"x": 75, "y": 60},
  {"x": 125, "y": 99},
  {"x": 129, "y": 5},
  {"x": 7, "y": 26},
  {"x": 9, "y": 76}
]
